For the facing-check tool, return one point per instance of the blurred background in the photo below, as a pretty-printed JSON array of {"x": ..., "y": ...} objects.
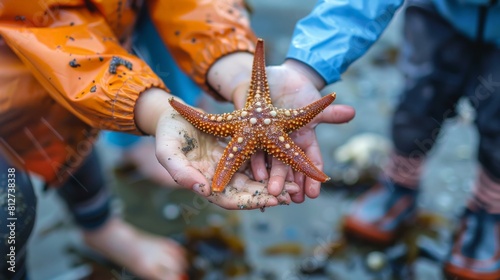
[{"x": 302, "y": 241}]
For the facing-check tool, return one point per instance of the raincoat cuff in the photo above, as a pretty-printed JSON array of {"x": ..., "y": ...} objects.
[
  {"x": 209, "y": 55},
  {"x": 324, "y": 68},
  {"x": 123, "y": 95}
]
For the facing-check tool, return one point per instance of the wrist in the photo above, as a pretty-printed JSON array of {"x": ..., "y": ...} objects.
[
  {"x": 306, "y": 71},
  {"x": 230, "y": 72},
  {"x": 151, "y": 105}
]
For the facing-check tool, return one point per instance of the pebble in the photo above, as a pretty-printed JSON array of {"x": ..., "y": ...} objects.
[
  {"x": 376, "y": 260},
  {"x": 171, "y": 212}
]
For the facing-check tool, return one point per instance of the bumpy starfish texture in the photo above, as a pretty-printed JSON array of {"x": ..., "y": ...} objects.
[{"x": 259, "y": 125}]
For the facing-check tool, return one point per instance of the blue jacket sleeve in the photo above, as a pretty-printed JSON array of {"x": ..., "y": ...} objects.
[{"x": 337, "y": 32}]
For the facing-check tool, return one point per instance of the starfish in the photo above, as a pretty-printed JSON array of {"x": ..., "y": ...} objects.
[{"x": 259, "y": 125}]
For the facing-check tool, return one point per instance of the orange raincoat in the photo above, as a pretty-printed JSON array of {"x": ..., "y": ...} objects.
[{"x": 65, "y": 73}]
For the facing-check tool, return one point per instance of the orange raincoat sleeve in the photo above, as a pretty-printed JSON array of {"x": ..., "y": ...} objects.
[
  {"x": 77, "y": 58},
  {"x": 197, "y": 33}
]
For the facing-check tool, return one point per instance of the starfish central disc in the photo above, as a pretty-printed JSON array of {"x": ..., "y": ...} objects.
[{"x": 259, "y": 125}]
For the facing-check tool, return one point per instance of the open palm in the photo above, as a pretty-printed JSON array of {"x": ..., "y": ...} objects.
[{"x": 190, "y": 156}]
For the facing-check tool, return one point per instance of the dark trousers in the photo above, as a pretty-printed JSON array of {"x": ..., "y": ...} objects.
[
  {"x": 441, "y": 66},
  {"x": 84, "y": 194}
]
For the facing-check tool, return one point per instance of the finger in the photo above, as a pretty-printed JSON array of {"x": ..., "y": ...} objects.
[
  {"x": 312, "y": 187},
  {"x": 284, "y": 198},
  {"x": 258, "y": 164},
  {"x": 336, "y": 114},
  {"x": 180, "y": 167},
  {"x": 291, "y": 187},
  {"x": 243, "y": 193},
  {"x": 240, "y": 95},
  {"x": 242, "y": 200},
  {"x": 277, "y": 177},
  {"x": 290, "y": 175},
  {"x": 299, "y": 196}
]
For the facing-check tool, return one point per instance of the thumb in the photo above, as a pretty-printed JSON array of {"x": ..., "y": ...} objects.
[
  {"x": 182, "y": 171},
  {"x": 240, "y": 95}
]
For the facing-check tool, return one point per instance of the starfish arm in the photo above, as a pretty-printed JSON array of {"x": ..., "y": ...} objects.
[
  {"x": 239, "y": 149},
  {"x": 259, "y": 125},
  {"x": 296, "y": 118},
  {"x": 282, "y": 147},
  {"x": 220, "y": 125},
  {"x": 259, "y": 87}
]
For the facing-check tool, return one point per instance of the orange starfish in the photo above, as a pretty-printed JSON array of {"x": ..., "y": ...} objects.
[{"x": 259, "y": 125}]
